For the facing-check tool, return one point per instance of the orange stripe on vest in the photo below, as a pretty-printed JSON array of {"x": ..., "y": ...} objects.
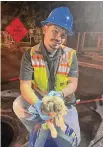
[
  {"x": 37, "y": 56},
  {"x": 38, "y": 65},
  {"x": 64, "y": 65},
  {"x": 62, "y": 73}
]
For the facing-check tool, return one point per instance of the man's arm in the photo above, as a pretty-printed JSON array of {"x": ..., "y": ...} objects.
[
  {"x": 71, "y": 87},
  {"x": 73, "y": 74},
  {"x": 27, "y": 92},
  {"x": 26, "y": 76}
]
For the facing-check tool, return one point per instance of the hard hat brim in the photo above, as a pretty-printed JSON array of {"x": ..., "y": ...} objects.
[{"x": 70, "y": 32}]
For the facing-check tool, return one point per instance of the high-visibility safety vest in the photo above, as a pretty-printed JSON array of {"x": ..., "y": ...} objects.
[{"x": 40, "y": 71}]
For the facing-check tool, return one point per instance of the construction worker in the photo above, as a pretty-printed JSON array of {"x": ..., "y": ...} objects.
[{"x": 50, "y": 68}]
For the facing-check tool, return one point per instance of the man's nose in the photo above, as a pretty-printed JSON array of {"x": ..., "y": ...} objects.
[{"x": 58, "y": 37}]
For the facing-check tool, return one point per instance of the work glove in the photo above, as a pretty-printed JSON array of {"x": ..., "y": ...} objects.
[
  {"x": 37, "y": 106},
  {"x": 56, "y": 93}
]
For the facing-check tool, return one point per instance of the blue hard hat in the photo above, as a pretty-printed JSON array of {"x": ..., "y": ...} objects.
[{"x": 62, "y": 17}]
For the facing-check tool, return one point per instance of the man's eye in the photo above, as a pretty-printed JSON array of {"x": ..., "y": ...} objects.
[
  {"x": 63, "y": 35},
  {"x": 54, "y": 31}
]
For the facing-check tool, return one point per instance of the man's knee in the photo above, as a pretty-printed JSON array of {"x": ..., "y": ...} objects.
[{"x": 17, "y": 106}]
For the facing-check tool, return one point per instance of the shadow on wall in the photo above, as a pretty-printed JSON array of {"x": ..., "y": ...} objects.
[{"x": 72, "y": 41}]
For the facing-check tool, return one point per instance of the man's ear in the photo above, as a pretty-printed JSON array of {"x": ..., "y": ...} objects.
[{"x": 44, "y": 28}]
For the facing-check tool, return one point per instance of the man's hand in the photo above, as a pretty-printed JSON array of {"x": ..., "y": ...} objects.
[{"x": 56, "y": 93}]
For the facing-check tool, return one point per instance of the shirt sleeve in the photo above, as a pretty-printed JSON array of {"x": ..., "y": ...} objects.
[
  {"x": 26, "y": 70},
  {"x": 74, "y": 72}
]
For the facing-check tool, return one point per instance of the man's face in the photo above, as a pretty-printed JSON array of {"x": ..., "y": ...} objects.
[{"x": 54, "y": 37}]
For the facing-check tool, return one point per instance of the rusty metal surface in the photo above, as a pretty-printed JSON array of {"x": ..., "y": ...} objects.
[{"x": 84, "y": 64}]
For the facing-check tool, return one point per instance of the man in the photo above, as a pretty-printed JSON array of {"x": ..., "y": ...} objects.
[{"x": 53, "y": 70}]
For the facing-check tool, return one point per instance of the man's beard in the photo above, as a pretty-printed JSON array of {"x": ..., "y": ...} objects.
[
  {"x": 52, "y": 47},
  {"x": 55, "y": 44}
]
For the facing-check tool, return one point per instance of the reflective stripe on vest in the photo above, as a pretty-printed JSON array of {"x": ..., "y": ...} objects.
[{"x": 40, "y": 71}]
